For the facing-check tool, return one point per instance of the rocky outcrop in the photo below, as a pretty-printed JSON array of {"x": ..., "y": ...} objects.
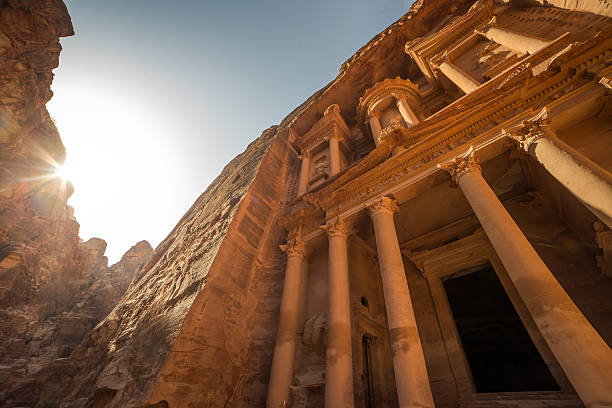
[
  {"x": 37, "y": 348},
  {"x": 53, "y": 287}
]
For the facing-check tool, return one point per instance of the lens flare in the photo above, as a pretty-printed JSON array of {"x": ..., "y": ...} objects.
[{"x": 62, "y": 172}]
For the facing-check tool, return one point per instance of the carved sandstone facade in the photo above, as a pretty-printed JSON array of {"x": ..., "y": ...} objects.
[
  {"x": 432, "y": 228},
  {"x": 451, "y": 169}
]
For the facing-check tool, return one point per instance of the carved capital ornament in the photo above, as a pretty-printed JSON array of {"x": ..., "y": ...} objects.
[
  {"x": 460, "y": 165},
  {"x": 337, "y": 226},
  {"x": 529, "y": 131},
  {"x": 384, "y": 205},
  {"x": 294, "y": 247}
]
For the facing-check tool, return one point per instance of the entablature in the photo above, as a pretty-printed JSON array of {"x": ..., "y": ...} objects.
[{"x": 474, "y": 119}]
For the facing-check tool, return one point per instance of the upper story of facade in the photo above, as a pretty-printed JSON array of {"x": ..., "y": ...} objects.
[{"x": 409, "y": 97}]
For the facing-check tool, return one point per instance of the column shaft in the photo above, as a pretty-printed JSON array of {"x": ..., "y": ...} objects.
[
  {"x": 465, "y": 82},
  {"x": 411, "y": 379},
  {"x": 334, "y": 155},
  {"x": 339, "y": 367},
  {"x": 583, "y": 178},
  {"x": 581, "y": 352},
  {"x": 409, "y": 117},
  {"x": 515, "y": 41},
  {"x": 304, "y": 174},
  {"x": 376, "y": 129},
  {"x": 284, "y": 351}
]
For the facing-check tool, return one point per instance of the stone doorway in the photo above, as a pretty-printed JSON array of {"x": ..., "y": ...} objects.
[
  {"x": 501, "y": 355},
  {"x": 367, "y": 378}
]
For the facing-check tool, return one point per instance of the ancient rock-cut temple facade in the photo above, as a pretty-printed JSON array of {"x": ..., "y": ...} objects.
[
  {"x": 446, "y": 202},
  {"x": 432, "y": 228},
  {"x": 441, "y": 240}
]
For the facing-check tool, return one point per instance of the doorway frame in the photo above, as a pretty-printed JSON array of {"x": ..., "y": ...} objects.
[{"x": 463, "y": 257}]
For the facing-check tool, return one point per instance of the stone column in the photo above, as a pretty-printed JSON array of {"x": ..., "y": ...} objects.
[
  {"x": 585, "y": 358},
  {"x": 304, "y": 173},
  {"x": 465, "y": 82},
  {"x": 376, "y": 127},
  {"x": 334, "y": 155},
  {"x": 409, "y": 117},
  {"x": 284, "y": 352},
  {"x": 512, "y": 39},
  {"x": 339, "y": 367},
  {"x": 412, "y": 382},
  {"x": 588, "y": 182}
]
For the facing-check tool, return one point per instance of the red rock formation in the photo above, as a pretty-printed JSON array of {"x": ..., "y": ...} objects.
[
  {"x": 53, "y": 287},
  {"x": 198, "y": 322}
]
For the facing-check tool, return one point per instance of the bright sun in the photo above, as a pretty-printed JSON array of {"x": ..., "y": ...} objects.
[{"x": 62, "y": 172}]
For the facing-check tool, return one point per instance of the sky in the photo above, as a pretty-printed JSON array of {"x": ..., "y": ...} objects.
[{"x": 152, "y": 98}]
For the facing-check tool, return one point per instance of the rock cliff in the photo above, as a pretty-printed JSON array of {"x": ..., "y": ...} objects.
[
  {"x": 53, "y": 287},
  {"x": 199, "y": 319}
]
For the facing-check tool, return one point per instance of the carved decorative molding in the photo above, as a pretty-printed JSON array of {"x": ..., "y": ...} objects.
[
  {"x": 460, "y": 165},
  {"x": 445, "y": 260},
  {"x": 484, "y": 28},
  {"x": 337, "y": 227},
  {"x": 529, "y": 131},
  {"x": 333, "y": 108},
  {"x": 295, "y": 244},
  {"x": 464, "y": 122},
  {"x": 384, "y": 205}
]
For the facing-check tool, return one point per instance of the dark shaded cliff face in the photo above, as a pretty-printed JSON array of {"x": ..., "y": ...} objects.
[{"x": 53, "y": 287}]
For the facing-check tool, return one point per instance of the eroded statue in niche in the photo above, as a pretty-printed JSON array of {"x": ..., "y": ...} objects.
[
  {"x": 320, "y": 166},
  {"x": 315, "y": 334}
]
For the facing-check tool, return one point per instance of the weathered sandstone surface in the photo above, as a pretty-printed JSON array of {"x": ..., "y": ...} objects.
[
  {"x": 54, "y": 288},
  {"x": 196, "y": 319}
]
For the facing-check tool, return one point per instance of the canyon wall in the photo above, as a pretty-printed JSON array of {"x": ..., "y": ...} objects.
[
  {"x": 195, "y": 319},
  {"x": 54, "y": 288},
  {"x": 186, "y": 320}
]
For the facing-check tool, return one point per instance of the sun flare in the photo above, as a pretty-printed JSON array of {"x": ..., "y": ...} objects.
[{"x": 62, "y": 172}]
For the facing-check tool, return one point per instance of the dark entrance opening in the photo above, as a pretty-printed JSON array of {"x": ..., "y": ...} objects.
[
  {"x": 501, "y": 355},
  {"x": 368, "y": 378}
]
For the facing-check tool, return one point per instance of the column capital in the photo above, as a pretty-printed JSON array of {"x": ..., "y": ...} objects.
[
  {"x": 384, "y": 205},
  {"x": 294, "y": 247},
  {"x": 398, "y": 97},
  {"x": 529, "y": 131},
  {"x": 484, "y": 28},
  {"x": 460, "y": 165},
  {"x": 304, "y": 154},
  {"x": 337, "y": 226},
  {"x": 439, "y": 60}
]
